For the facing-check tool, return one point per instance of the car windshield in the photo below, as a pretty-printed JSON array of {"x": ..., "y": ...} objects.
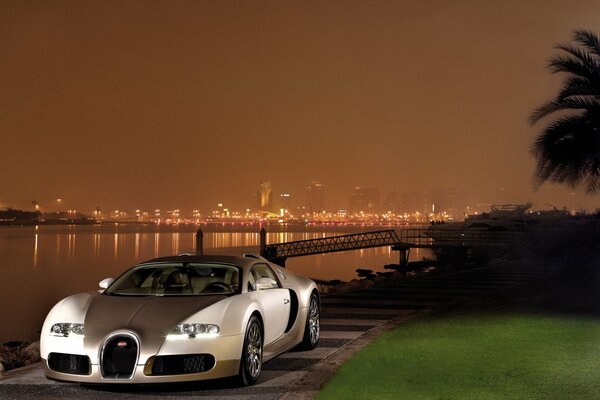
[{"x": 177, "y": 279}]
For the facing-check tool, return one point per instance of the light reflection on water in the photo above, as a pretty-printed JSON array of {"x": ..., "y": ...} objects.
[
  {"x": 35, "y": 251},
  {"x": 41, "y": 265}
]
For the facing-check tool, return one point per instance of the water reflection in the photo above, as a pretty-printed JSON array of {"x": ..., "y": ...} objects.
[
  {"x": 137, "y": 246},
  {"x": 35, "y": 250},
  {"x": 156, "y": 244},
  {"x": 96, "y": 244},
  {"x": 71, "y": 248},
  {"x": 57, "y": 251},
  {"x": 116, "y": 245},
  {"x": 175, "y": 243},
  {"x": 58, "y": 261},
  {"x": 282, "y": 237}
]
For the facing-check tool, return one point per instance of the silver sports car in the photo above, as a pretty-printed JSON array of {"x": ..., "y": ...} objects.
[{"x": 181, "y": 318}]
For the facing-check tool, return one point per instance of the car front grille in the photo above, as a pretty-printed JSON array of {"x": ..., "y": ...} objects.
[
  {"x": 182, "y": 364},
  {"x": 119, "y": 357},
  {"x": 69, "y": 363}
]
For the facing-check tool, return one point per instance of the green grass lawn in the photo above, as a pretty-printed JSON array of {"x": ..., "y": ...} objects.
[{"x": 477, "y": 356}]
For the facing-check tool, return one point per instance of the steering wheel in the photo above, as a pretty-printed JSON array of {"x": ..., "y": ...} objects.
[{"x": 221, "y": 286}]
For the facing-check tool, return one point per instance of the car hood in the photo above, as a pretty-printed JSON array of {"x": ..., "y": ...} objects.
[{"x": 150, "y": 317}]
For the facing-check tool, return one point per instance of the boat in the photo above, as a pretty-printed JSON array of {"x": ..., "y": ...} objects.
[{"x": 499, "y": 225}]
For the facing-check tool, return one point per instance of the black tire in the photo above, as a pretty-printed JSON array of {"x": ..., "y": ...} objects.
[
  {"x": 251, "y": 361},
  {"x": 312, "y": 328}
]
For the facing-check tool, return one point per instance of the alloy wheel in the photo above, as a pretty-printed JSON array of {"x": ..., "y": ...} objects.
[
  {"x": 254, "y": 351},
  {"x": 314, "y": 322}
]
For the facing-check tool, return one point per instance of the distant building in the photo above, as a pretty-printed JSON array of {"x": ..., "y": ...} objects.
[
  {"x": 67, "y": 216},
  {"x": 413, "y": 202},
  {"x": 315, "y": 197},
  {"x": 12, "y": 216},
  {"x": 365, "y": 199},
  {"x": 452, "y": 201},
  {"x": 285, "y": 201},
  {"x": 392, "y": 202},
  {"x": 265, "y": 196}
]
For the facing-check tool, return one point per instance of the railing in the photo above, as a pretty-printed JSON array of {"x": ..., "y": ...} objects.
[
  {"x": 433, "y": 237},
  {"x": 331, "y": 244},
  {"x": 422, "y": 237}
]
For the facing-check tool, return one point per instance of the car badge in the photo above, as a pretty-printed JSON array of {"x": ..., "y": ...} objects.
[{"x": 122, "y": 344}]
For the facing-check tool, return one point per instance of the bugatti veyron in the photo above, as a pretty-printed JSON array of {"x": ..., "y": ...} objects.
[{"x": 181, "y": 318}]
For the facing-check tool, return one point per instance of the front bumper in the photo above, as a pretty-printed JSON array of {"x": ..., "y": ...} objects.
[
  {"x": 225, "y": 349},
  {"x": 221, "y": 369}
]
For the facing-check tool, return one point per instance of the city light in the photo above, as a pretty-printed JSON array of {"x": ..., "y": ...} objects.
[
  {"x": 365, "y": 207},
  {"x": 299, "y": 215}
]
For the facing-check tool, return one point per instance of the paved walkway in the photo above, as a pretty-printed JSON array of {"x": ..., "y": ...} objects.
[{"x": 349, "y": 321}]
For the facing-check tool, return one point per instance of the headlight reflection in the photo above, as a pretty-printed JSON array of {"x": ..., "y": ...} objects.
[
  {"x": 191, "y": 331},
  {"x": 66, "y": 329}
]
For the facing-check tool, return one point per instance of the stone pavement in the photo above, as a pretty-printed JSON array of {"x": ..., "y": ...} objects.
[{"x": 349, "y": 321}]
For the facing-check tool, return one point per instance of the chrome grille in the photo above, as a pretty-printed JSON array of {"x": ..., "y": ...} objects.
[{"x": 119, "y": 356}]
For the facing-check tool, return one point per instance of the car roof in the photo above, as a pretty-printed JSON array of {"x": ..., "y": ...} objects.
[{"x": 241, "y": 261}]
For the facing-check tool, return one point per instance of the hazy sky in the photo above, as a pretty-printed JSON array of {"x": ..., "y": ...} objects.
[{"x": 183, "y": 104}]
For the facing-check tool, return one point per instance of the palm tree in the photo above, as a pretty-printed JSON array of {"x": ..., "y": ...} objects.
[{"x": 568, "y": 149}]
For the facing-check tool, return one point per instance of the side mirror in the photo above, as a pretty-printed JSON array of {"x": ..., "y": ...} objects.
[
  {"x": 104, "y": 283},
  {"x": 266, "y": 283}
]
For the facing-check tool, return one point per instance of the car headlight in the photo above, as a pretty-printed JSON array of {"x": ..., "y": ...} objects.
[
  {"x": 65, "y": 329},
  {"x": 190, "y": 331}
]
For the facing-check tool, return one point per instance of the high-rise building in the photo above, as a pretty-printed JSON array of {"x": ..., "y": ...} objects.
[
  {"x": 265, "y": 196},
  {"x": 413, "y": 203},
  {"x": 285, "y": 201},
  {"x": 365, "y": 199},
  {"x": 392, "y": 202},
  {"x": 452, "y": 201},
  {"x": 315, "y": 197}
]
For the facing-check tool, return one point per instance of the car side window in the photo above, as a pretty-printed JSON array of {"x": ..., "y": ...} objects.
[
  {"x": 261, "y": 271},
  {"x": 251, "y": 282}
]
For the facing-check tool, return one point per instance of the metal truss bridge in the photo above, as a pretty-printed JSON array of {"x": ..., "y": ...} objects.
[
  {"x": 435, "y": 238},
  {"x": 408, "y": 238},
  {"x": 330, "y": 244}
]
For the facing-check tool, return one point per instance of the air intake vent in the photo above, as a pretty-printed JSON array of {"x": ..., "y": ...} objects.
[
  {"x": 250, "y": 255},
  {"x": 69, "y": 363},
  {"x": 182, "y": 364}
]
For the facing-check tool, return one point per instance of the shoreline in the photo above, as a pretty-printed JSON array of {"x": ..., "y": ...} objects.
[
  {"x": 577, "y": 249},
  {"x": 17, "y": 354}
]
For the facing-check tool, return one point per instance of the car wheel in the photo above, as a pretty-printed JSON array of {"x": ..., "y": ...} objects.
[
  {"x": 251, "y": 361},
  {"x": 312, "y": 330}
]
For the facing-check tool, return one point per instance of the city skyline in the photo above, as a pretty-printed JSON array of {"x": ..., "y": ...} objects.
[
  {"x": 268, "y": 200},
  {"x": 191, "y": 104}
]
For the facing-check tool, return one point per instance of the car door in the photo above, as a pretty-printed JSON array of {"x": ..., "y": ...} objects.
[{"x": 275, "y": 302}]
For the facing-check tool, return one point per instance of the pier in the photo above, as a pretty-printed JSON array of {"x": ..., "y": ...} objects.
[{"x": 403, "y": 242}]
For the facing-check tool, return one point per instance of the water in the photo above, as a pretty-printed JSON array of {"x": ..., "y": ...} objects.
[{"x": 42, "y": 265}]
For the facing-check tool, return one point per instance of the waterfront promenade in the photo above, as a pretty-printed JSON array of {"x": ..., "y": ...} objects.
[{"x": 349, "y": 322}]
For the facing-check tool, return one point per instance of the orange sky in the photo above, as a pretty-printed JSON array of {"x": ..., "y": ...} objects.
[{"x": 183, "y": 104}]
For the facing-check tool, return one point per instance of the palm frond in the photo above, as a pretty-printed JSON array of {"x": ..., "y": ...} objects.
[
  {"x": 572, "y": 103},
  {"x": 557, "y": 131},
  {"x": 583, "y": 56},
  {"x": 567, "y": 151},
  {"x": 570, "y": 65},
  {"x": 579, "y": 86},
  {"x": 589, "y": 40},
  {"x": 592, "y": 178}
]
